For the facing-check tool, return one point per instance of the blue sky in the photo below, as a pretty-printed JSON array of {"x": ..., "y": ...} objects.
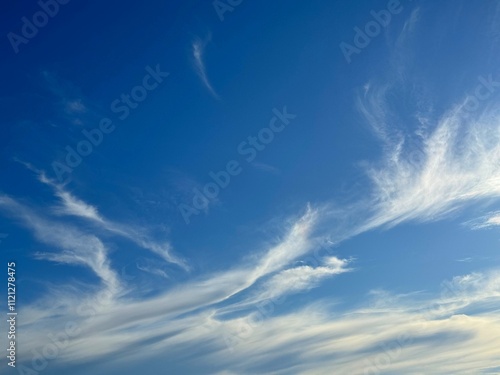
[{"x": 237, "y": 187}]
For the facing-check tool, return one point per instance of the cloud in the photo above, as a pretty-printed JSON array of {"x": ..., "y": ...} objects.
[
  {"x": 198, "y": 48},
  {"x": 432, "y": 332},
  {"x": 266, "y": 168},
  {"x": 217, "y": 318},
  {"x": 76, "y": 106},
  {"x": 289, "y": 281},
  {"x": 490, "y": 220},
  {"x": 72, "y": 206},
  {"x": 302, "y": 278},
  {"x": 77, "y": 247},
  {"x": 297, "y": 242},
  {"x": 399, "y": 334},
  {"x": 151, "y": 266},
  {"x": 431, "y": 164},
  {"x": 75, "y": 207},
  {"x": 184, "y": 188},
  {"x": 359, "y": 342},
  {"x": 314, "y": 339},
  {"x": 373, "y": 106},
  {"x": 71, "y": 105},
  {"x": 196, "y": 318},
  {"x": 456, "y": 163},
  {"x": 409, "y": 27},
  {"x": 494, "y": 220},
  {"x": 176, "y": 309}
]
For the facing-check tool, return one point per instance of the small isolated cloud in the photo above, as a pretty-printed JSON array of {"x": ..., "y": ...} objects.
[
  {"x": 198, "y": 48},
  {"x": 185, "y": 187},
  {"x": 488, "y": 221},
  {"x": 266, "y": 168},
  {"x": 68, "y": 103},
  {"x": 3, "y": 236},
  {"x": 409, "y": 26},
  {"x": 75, "y": 106}
]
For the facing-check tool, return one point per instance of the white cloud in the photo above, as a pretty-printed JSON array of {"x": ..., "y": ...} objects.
[
  {"x": 315, "y": 339},
  {"x": 409, "y": 27},
  {"x": 302, "y": 278},
  {"x": 432, "y": 164},
  {"x": 433, "y": 333},
  {"x": 457, "y": 332},
  {"x": 494, "y": 220},
  {"x": 77, "y": 247},
  {"x": 76, "y": 106},
  {"x": 198, "y": 48},
  {"x": 459, "y": 163},
  {"x": 72, "y": 206},
  {"x": 76, "y": 207},
  {"x": 138, "y": 319},
  {"x": 398, "y": 335},
  {"x": 490, "y": 220},
  {"x": 151, "y": 266},
  {"x": 296, "y": 243}
]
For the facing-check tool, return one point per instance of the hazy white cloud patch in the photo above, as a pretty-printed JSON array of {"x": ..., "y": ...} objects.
[
  {"x": 488, "y": 221},
  {"x": 198, "y": 48},
  {"x": 76, "y": 106}
]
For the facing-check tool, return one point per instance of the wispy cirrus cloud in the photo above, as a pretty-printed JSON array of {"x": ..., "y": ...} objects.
[
  {"x": 458, "y": 165},
  {"x": 71, "y": 106},
  {"x": 492, "y": 219},
  {"x": 138, "y": 316},
  {"x": 198, "y": 49},
  {"x": 76, "y": 106},
  {"x": 77, "y": 247},
  {"x": 399, "y": 333},
  {"x": 432, "y": 164},
  {"x": 458, "y": 161},
  {"x": 408, "y": 27},
  {"x": 302, "y": 278},
  {"x": 72, "y": 206},
  {"x": 152, "y": 267},
  {"x": 315, "y": 338}
]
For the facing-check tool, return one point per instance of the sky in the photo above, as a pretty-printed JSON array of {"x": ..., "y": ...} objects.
[{"x": 237, "y": 187}]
